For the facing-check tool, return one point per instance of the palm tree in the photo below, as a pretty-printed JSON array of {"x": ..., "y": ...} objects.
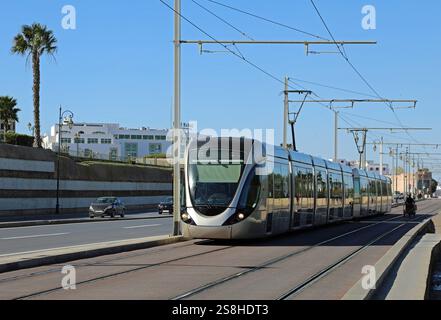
[
  {"x": 34, "y": 41},
  {"x": 8, "y": 113}
]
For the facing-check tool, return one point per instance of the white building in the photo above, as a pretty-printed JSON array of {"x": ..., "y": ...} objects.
[
  {"x": 371, "y": 166},
  {"x": 107, "y": 141},
  {"x": 9, "y": 128}
]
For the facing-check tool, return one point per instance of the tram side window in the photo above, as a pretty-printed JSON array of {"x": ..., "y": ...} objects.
[
  {"x": 336, "y": 197},
  {"x": 349, "y": 187},
  {"x": 278, "y": 182},
  {"x": 322, "y": 189},
  {"x": 284, "y": 172},
  {"x": 304, "y": 190},
  {"x": 271, "y": 185},
  {"x": 379, "y": 192},
  {"x": 281, "y": 187},
  {"x": 384, "y": 189},
  {"x": 251, "y": 193},
  {"x": 363, "y": 187}
]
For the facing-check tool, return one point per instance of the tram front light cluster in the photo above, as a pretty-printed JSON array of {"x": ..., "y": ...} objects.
[
  {"x": 240, "y": 216},
  {"x": 185, "y": 217}
]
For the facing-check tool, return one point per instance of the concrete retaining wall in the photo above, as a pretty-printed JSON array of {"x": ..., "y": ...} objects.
[{"x": 28, "y": 182}]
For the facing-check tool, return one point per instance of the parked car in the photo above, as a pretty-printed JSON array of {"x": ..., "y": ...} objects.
[
  {"x": 166, "y": 205},
  {"x": 398, "y": 196},
  {"x": 107, "y": 206}
]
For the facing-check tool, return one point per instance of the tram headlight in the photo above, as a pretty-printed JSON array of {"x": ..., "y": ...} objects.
[
  {"x": 241, "y": 216},
  {"x": 185, "y": 216}
]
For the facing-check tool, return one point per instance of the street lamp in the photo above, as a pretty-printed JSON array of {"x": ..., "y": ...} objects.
[
  {"x": 68, "y": 119},
  {"x": 31, "y": 128}
]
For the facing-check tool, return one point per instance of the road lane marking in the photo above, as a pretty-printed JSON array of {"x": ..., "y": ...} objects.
[
  {"x": 143, "y": 226},
  {"x": 36, "y": 236},
  {"x": 45, "y": 251},
  {"x": 76, "y": 223}
]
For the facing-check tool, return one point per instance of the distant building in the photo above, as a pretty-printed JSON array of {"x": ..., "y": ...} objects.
[
  {"x": 420, "y": 182},
  {"x": 371, "y": 166},
  {"x": 107, "y": 140}
]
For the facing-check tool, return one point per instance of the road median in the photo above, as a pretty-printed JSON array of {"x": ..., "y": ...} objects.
[{"x": 23, "y": 260}]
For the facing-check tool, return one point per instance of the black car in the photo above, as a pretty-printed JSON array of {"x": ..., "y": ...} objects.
[
  {"x": 166, "y": 205},
  {"x": 107, "y": 206}
]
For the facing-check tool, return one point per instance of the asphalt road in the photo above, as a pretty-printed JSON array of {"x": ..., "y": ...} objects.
[
  {"x": 233, "y": 270},
  {"x": 25, "y": 239}
]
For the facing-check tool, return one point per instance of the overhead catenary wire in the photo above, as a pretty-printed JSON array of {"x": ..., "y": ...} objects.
[
  {"x": 345, "y": 57},
  {"x": 269, "y": 74},
  {"x": 268, "y": 20},
  {"x": 223, "y": 20},
  {"x": 241, "y": 56}
]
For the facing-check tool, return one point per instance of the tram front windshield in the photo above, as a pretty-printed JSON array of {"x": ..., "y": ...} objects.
[{"x": 213, "y": 183}]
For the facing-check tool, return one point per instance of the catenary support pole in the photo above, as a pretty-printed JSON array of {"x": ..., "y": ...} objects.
[{"x": 177, "y": 121}]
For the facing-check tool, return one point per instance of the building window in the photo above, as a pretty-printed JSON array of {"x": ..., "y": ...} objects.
[
  {"x": 124, "y": 136},
  {"x": 92, "y": 140},
  {"x": 160, "y": 137},
  {"x": 113, "y": 154},
  {"x": 106, "y": 141},
  {"x": 79, "y": 140},
  {"x": 66, "y": 140},
  {"x": 148, "y": 137},
  {"x": 155, "y": 148},
  {"x": 131, "y": 149},
  {"x": 136, "y": 137},
  {"x": 88, "y": 153}
]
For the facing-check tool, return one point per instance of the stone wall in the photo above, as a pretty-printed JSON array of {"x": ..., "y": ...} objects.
[{"x": 28, "y": 182}]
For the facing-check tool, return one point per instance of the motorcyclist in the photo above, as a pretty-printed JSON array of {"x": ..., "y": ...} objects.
[
  {"x": 410, "y": 200},
  {"x": 410, "y": 204}
]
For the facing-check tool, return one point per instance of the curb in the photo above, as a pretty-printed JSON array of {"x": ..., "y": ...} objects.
[
  {"x": 62, "y": 255},
  {"x": 16, "y": 224},
  {"x": 385, "y": 264},
  {"x": 414, "y": 273}
]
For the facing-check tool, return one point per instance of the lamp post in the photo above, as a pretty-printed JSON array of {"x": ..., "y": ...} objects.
[{"x": 67, "y": 115}]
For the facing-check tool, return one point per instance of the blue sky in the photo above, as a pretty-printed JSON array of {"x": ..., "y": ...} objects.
[{"x": 117, "y": 66}]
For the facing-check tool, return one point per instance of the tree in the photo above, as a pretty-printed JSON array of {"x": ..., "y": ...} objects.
[
  {"x": 34, "y": 41},
  {"x": 8, "y": 112},
  {"x": 433, "y": 186}
]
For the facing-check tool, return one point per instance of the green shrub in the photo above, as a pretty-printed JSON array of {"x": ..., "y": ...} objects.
[
  {"x": 17, "y": 139},
  {"x": 156, "y": 155}
]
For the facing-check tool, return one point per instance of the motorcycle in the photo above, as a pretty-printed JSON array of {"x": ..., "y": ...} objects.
[{"x": 410, "y": 209}]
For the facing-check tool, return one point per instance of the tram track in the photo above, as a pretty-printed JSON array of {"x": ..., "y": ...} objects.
[
  {"x": 170, "y": 261},
  {"x": 330, "y": 268},
  {"x": 268, "y": 263},
  {"x": 316, "y": 276}
]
